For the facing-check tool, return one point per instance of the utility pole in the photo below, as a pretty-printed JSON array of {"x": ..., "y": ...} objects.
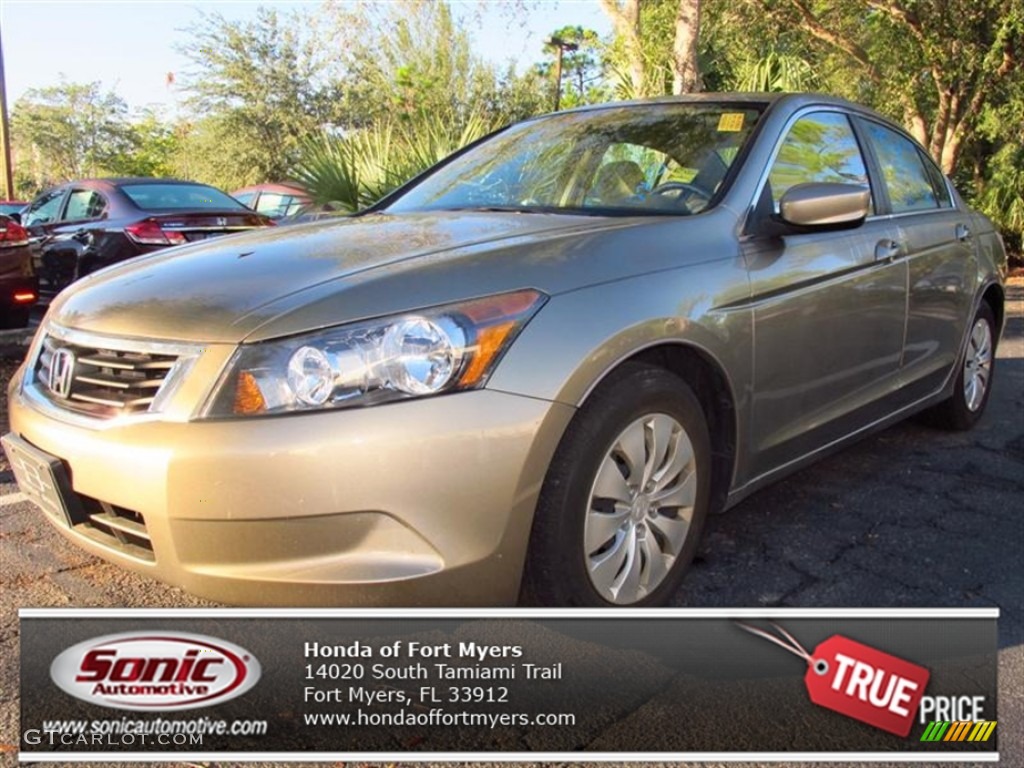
[
  {"x": 6, "y": 172},
  {"x": 560, "y": 46}
]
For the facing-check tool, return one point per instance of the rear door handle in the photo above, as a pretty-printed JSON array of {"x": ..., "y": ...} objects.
[
  {"x": 963, "y": 233},
  {"x": 887, "y": 250}
]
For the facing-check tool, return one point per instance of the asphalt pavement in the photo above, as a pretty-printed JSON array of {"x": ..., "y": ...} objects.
[{"x": 911, "y": 516}]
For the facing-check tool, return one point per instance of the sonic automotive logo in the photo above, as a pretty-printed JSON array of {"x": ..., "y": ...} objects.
[{"x": 155, "y": 671}]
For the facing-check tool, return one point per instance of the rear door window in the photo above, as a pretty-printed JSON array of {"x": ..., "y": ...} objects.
[{"x": 84, "y": 205}]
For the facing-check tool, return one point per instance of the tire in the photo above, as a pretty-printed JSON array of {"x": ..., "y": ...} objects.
[
  {"x": 964, "y": 408},
  {"x": 586, "y": 550}
]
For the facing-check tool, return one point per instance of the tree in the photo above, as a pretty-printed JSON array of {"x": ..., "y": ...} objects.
[
  {"x": 658, "y": 41},
  {"x": 582, "y": 69},
  {"x": 937, "y": 61},
  {"x": 153, "y": 146},
  {"x": 208, "y": 150},
  {"x": 414, "y": 61},
  {"x": 261, "y": 87},
  {"x": 685, "y": 67},
  {"x": 353, "y": 171},
  {"x": 625, "y": 17},
  {"x": 995, "y": 170},
  {"x": 67, "y": 131}
]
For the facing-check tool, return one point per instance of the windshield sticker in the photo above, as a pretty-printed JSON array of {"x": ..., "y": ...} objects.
[{"x": 730, "y": 122}]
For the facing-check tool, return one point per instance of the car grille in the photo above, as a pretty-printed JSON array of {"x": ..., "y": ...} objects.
[{"x": 103, "y": 383}]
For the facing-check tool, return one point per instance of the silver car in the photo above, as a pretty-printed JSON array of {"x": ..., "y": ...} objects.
[{"x": 531, "y": 373}]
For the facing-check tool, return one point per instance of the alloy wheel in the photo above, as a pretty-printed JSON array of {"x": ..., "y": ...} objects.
[
  {"x": 640, "y": 508},
  {"x": 978, "y": 365}
]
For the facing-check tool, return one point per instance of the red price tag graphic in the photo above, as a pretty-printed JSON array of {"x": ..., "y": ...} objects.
[{"x": 859, "y": 681}]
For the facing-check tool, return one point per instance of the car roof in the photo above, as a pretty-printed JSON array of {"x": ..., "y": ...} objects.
[
  {"x": 120, "y": 181},
  {"x": 790, "y": 101},
  {"x": 111, "y": 184}
]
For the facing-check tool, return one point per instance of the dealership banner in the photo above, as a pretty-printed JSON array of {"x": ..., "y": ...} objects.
[{"x": 728, "y": 684}]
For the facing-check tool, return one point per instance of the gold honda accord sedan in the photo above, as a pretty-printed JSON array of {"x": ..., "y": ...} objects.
[{"x": 531, "y": 373}]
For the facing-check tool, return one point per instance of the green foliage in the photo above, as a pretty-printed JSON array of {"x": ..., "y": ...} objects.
[
  {"x": 998, "y": 182},
  {"x": 209, "y": 150},
  {"x": 350, "y": 172},
  {"x": 582, "y": 69},
  {"x": 154, "y": 145},
  {"x": 657, "y": 31},
  {"x": 409, "y": 61},
  {"x": 69, "y": 131},
  {"x": 258, "y": 89},
  {"x": 1002, "y": 193},
  {"x": 356, "y": 170},
  {"x": 773, "y": 72}
]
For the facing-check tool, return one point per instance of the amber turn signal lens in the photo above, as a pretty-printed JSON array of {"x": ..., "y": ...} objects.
[
  {"x": 489, "y": 343},
  {"x": 248, "y": 398}
]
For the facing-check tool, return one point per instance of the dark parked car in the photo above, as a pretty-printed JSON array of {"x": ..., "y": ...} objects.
[
  {"x": 19, "y": 288},
  {"x": 274, "y": 200},
  {"x": 81, "y": 226}
]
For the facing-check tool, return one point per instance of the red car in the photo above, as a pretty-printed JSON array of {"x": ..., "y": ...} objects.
[
  {"x": 274, "y": 200},
  {"x": 19, "y": 286}
]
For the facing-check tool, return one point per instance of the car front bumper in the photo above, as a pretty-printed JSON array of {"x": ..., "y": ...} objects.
[{"x": 423, "y": 502}]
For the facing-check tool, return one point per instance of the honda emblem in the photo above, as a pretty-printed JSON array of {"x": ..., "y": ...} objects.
[{"x": 62, "y": 372}]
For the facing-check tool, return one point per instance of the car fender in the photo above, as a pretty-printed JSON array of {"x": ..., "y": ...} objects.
[{"x": 579, "y": 337}]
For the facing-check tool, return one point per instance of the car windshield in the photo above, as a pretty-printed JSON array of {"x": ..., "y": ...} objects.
[
  {"x": 168, "y": 197},
  {"x": 629, "y": 160}
]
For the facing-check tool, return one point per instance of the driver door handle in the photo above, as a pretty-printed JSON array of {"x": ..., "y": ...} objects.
[{"x": 888, "y": 250}]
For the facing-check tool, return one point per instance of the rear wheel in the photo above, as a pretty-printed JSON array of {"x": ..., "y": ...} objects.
[
  {"x": 974, "y": 377},
  {"x": 624, "y": 502}
]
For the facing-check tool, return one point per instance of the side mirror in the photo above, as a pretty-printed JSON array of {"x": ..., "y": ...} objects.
[
  {"x": 825, "y": 205},
  {"x": 15, "y": 217}
]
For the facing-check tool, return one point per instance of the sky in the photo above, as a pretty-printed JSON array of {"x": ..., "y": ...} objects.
[{"x": 130, "y": 46}]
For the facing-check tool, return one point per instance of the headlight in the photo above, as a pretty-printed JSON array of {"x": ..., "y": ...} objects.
[{"x": 444, "y": 349}]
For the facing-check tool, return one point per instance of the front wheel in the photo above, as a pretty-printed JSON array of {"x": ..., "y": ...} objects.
[
  {"x": 974, "y": 377},
  {"x": 624, "y": 501}
]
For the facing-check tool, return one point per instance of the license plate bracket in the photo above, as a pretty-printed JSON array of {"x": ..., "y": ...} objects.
[{"x": 43, "y": 479}]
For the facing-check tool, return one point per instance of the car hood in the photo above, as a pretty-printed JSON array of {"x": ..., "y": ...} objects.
[{"x": 276, "y": 282}]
